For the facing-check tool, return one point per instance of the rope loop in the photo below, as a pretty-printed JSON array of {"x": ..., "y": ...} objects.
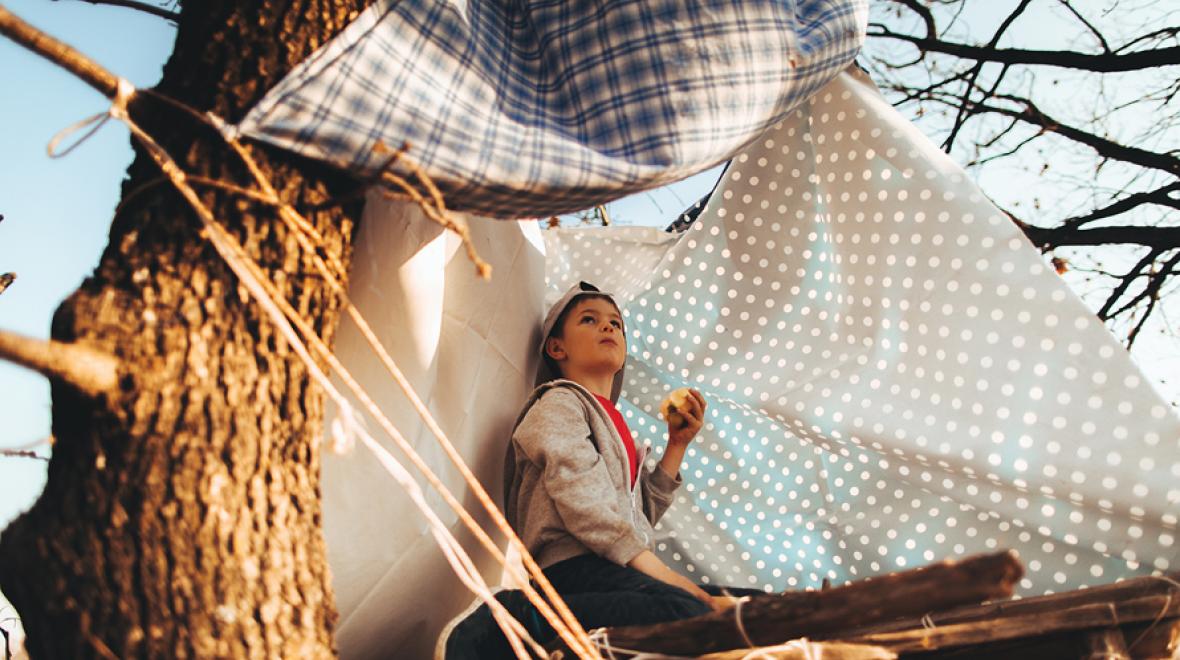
[
  {"x": 98, "y": 120},
  {"x": 124, "y": 91},
  {"x": 737, "y": 616}
]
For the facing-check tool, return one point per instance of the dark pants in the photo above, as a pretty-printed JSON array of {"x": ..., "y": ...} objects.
[{"x": 600, "y": 594}]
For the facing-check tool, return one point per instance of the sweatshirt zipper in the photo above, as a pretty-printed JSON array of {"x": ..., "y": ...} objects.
[{"x": 627, "y": 468}]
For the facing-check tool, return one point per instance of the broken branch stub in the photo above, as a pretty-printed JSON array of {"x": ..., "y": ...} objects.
[{"x": 89, "y": 371}]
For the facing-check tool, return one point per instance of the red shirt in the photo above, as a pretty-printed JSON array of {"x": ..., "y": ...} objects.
[{"x": 624, "y": 433}]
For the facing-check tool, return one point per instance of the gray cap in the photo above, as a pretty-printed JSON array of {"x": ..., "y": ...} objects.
[{"x": 546, "y": 370}]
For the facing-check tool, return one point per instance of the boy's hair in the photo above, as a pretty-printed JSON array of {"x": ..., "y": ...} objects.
[{"x": 559, "y": 324}]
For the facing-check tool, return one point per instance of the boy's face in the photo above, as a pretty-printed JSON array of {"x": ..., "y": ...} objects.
[{"x": 592, "y": 338}]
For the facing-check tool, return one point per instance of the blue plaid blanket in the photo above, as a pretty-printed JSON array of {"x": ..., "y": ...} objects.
[{"x": 532, "y": 108}]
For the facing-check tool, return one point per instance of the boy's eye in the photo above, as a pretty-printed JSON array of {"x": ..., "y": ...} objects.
[
  {"x": 617, "y": 324},
  {"x": 587, "y": 318}
]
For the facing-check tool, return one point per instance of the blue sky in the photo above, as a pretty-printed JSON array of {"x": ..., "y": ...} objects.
[{"x": 57, "y": 212}]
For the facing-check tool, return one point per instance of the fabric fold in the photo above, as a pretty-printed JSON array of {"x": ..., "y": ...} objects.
[{"x": 535, "y": 108}]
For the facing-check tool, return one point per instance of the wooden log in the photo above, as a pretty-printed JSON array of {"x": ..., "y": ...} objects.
[
  {"x": 1017, "y": 626},
  {"x": 803, "y": 649},
  {"x": 1063, "y": 646},
  {"x": 1119, "y": 591},
  {"x": 774, "y": 619}
]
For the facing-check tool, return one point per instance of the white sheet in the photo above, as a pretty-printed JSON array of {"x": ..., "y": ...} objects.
[{"x": 464, "y": 343}]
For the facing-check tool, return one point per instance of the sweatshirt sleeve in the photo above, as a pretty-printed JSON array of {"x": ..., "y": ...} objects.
[
  {"x": 555, "y": 435},
  {"x": 658, "y": 489}
]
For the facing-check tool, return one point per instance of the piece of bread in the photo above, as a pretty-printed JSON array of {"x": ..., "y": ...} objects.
[{"x": 671, "y": 406}]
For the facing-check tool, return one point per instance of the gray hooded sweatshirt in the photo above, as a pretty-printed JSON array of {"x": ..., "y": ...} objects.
[{"x": 567, "y": 481}]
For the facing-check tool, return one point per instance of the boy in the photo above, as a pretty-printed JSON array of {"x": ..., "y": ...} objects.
[{"x": 577, "y": 491}]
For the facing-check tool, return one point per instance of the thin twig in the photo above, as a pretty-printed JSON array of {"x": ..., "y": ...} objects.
[
  {"x": 1151, "y": 290},
  {"x": 1161, "y": 196},
  {"x": 1127, "y": 279},
  {"x": 1104, "y": 147},
  {"x": 1093, "y": 30},
  {"x": 21, "y": 453},
  {"x": 962, "y": 114},
  {"x": 165, "y": 14}
]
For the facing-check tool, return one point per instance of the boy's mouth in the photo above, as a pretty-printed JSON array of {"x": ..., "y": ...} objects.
[{"x": 609, "y": 341}]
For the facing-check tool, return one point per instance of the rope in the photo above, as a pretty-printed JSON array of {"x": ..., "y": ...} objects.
[
  {"x": 601, "y": 639},
  {"x": 927, "y": 622},
  {"x": 124, "y": 90},
  {"x": 1163, "y": 610},
  {"x": 737, "y": 617},
  {"x": 99, "y": 120},
  {"x": 810, "y": 652},
  {"x": 560, "y": 620},
  {"x": 250, "y": 275},
  {"x": 278, "y": 308}
]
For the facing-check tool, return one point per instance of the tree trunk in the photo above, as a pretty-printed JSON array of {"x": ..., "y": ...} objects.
[{"x": 182, "y": 514}]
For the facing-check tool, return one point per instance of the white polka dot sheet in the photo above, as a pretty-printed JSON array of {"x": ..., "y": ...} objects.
[{"x": 894, "y": 376}]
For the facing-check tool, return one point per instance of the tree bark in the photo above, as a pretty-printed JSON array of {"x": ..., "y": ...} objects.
[{"x": 181, "y": 516}]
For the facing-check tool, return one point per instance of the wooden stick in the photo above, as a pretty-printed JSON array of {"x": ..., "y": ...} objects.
[
  {"x": 87, "y": 370},
  {"x": 1008, "y": 627},
  {"x": 774, "y": 619},
  {"x": 59, "y": 53},
  {"x": 1119, "y": 591},
  {"x": 802, "y": 649}
]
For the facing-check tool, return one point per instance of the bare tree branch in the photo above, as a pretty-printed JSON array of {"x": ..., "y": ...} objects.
[
  {"x": 1102, "y": 63},
  {"x": 1093, "y": 30},
  {"x": 1110, "y": 194},
  {"x": 961, "y": 114},
  {"x": 1155, "y": 237},
  {"x": 1153, "y": 286},
  {"x": 1161, "y": 196},
  {"x": 22, "y": 453},
  {"x": 1009, "y": 152},
  {"x": 1103, "y": 146},
  {"x": 59, "y": 53},
  {"x": 1143, "y": 320},
  {"x": 87, "y": 370},
  {"x": 924, "y": 13},
  {"x": 1162, "y": 33},
  {"x": 1126, "y": 282},
  {"x": 139, "y": 6}
]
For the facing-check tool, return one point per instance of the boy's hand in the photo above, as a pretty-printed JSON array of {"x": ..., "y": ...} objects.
[{"x": 684, "y": 425}]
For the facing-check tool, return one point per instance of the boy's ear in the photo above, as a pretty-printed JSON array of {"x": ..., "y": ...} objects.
[{"x": 554, "y": 348}]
